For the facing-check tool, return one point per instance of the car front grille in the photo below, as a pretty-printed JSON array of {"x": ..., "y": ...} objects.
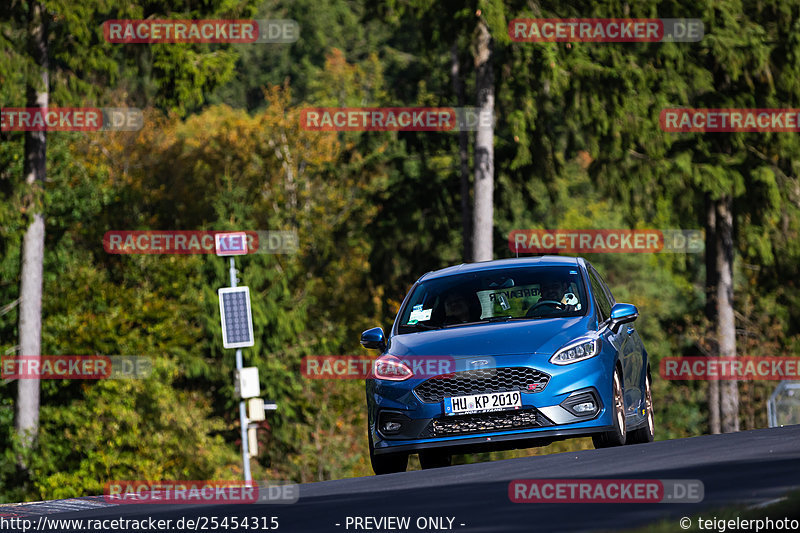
[
  {"x": 449, "y": 426},
  {"x": 480, "y": 381}
]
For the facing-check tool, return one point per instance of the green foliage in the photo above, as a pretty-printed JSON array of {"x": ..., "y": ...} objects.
[{"x": 129, "y": 430}]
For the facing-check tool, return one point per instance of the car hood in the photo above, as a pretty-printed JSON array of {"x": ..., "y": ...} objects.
[{"x": 540, "y": 336}]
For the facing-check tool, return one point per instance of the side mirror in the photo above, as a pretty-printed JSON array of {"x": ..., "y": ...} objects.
[
  {"x": 622, "y": 314},
  {"x": 374, "y": 339}
]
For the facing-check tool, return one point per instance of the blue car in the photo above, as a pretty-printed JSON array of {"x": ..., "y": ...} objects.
[{"x": 506, "y": 354}]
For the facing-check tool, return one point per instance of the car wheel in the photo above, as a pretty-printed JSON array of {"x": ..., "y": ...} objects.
[
  {"x": 647, "y": 433},
  {"x": 434, "y": 459},
  {"x": 387, "y": 463},
  {"x": 615, "y": 437}
]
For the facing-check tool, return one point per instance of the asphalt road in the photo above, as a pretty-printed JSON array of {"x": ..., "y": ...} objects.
[{"x": 750, "y": 468}]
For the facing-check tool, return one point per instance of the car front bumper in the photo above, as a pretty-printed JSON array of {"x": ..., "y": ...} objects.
[{"x": 545, "y": 415}]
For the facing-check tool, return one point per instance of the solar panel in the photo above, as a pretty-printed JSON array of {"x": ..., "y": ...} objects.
[{"x": 237, "y": 318}]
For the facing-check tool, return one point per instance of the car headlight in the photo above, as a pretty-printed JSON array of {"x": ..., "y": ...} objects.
[
  {"x": 575, "y": 351},
  {"x": 390, "y": 368}
]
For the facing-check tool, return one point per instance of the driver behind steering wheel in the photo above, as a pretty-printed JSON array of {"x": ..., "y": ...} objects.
[{"x": 556, "y": 291}]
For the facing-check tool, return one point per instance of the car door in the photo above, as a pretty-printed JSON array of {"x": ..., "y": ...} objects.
[{"x": 625, "y": 341}]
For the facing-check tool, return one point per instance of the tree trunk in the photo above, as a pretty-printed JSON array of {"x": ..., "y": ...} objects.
[
  {"x": 30, "y": 291},
  {"x": 463, "y": 156},
  {"x": 726, "y": 325},
  {"x": 711, "y": 307},
  {"x": 483, "y": 216}
]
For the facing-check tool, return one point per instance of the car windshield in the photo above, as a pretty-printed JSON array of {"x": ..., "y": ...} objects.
[{"x": 494, "y": 296}]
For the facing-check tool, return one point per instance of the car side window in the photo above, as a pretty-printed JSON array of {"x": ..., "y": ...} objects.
[
  {"x": 603, "y": 303},
  {"x": 607, "y": 289}
]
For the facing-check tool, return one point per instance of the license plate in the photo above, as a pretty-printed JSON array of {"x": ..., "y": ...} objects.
[{"x": 482, "y": 403}]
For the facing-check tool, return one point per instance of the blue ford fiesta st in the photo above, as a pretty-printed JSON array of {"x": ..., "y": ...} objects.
[{"x": 506, "y": 354}]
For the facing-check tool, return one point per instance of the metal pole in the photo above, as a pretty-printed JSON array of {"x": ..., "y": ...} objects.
[{"x": 242, "y": 411}]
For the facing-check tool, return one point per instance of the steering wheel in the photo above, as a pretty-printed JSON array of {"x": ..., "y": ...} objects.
[{"x": 553, "y": 303}]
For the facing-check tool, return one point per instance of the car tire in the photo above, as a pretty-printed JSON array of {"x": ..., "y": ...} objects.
[
  {"x": 615, "y": 437},
  {"x": 647, "y": 433},
  {"x": 434, "y": 459},
  {"x": 387, "y": 463}
]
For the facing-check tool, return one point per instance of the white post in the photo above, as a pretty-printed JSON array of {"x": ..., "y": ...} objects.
[{"x": 242, "y": 411}]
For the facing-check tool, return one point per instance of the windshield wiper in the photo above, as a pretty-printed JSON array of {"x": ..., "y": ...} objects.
[
  {"x": 420, "y": 325},
  {"x": 496, "y": 318}
]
